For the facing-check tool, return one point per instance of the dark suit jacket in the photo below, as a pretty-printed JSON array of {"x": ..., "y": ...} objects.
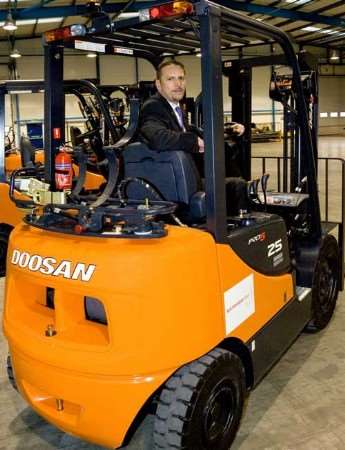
[{"x": 160, "y": 129}]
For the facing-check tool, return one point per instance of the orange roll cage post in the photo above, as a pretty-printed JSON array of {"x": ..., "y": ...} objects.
[{"x": 123, "y": 312}]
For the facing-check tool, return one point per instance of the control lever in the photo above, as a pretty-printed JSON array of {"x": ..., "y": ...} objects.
[
  {"x": 253, "y": 187},
  {"x": 264, "y": 181},
  {"x": 301, "y": 184}
]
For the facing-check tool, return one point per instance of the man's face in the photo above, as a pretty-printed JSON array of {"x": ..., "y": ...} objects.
[{"x": 172, "y": 84}]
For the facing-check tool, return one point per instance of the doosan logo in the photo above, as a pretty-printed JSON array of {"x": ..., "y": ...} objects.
[{"x": 50, "y": 266}]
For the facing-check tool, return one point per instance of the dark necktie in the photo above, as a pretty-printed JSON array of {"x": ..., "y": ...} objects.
[{"x": 180, "y": 116}]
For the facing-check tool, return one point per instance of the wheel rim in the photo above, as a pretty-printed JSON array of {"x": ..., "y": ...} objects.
[
  {"x": 219, "y": 412},
  {"x": 327, "y": 285}
]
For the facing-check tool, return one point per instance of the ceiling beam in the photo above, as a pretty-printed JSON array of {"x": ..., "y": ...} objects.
[
  {"x": 64, "y": 11},
  {"x": 80, "y": 10},
  {"x": 285, "y": 13}
]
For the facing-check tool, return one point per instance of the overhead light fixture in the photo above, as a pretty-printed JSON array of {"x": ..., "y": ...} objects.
[
  {"x": 334, "y": 56},
  {"x": 15, "y": 53},
  {"x": 311, "y": 28},
  {"x": 10, "y": 24},
  {"x": 50, "y": 20},
  {"x": 91, "y": 55}
]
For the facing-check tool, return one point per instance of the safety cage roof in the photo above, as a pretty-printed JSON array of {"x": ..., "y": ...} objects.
[{"x": 156, "y": 38}]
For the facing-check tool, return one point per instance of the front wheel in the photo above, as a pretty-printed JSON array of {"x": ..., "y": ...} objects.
[
  {"x": 201, "y": 405},
  {"x": 325, "y": 285},
  {"x": 10, "y": 373}
]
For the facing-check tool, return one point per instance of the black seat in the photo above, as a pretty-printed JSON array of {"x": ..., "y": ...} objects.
[
  {"x": 172, "y": 173},
  {"x": 27, "y": 152},
  {"x": 75, "y": 132}
]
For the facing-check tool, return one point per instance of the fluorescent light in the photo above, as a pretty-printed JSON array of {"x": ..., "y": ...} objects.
[
  {"x": 91, "y": 55},
  {"x": 329, "y": 31},
  {"x": 333, "y": 114},
  {"x": 323, "y": 114},
  {"x": 50, "y": 20},
  {"x": 15, "y": 53},
  {"x": 334, "y": 56},
  {"x": 26, "y": 22},
  {"x": 311, "y": 29},
  {"x": 10, "y": 24},
  {"x": 342, "y": 114}
]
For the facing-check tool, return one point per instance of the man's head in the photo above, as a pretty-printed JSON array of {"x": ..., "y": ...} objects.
[{"x": 171, "y": 80}]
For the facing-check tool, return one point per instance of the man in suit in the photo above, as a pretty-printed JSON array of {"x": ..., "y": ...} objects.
[
  {"x": 163, "y": 123},
  {"x": 164, "y": 127}
]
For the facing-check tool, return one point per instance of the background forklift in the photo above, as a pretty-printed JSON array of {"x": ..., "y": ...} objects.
[
  {"x": 143, "y": 315},
  {"x": 31, "y": 159}
]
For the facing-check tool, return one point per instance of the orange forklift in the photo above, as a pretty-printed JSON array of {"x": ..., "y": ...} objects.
[
  {"x": 149, "y": 298},
  {"x": 31, "y": 160}
]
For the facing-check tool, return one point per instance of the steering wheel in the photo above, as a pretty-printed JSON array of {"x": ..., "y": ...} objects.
[{"x": 88, "y": 134}]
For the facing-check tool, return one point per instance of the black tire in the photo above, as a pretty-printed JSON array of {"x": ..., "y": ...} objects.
[
  {"x": 201, "y": 405},
  {"x": 4, "y": 236},
  {"x": 325, "y": 285},
  {"x": 10, "y": 373}
]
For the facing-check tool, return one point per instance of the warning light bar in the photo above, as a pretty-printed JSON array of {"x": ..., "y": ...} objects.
[
  {"x": 60, "y": 34},
  {"x": 167, "y": 11}
]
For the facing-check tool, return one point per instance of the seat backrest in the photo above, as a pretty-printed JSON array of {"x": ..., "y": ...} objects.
[
  {"x": 27, "y": 152},
  {"x": 75, "y": 132},
  {"x": 173, "y": 173}
]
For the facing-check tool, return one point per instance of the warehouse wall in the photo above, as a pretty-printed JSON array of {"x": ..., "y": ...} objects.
[
  {"x": 332, "y": 105},
  {"x": 122, "y": 70}
]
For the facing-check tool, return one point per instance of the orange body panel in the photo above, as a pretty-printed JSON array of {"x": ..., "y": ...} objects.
[
  {"x": 164, "y": 301},
  {"x": 93, "y": 181},
  {"x": 12, "y": 162},
  {"x": 9, "y": 213}
]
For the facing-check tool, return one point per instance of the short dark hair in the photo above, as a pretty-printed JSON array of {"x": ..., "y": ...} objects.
[{"x": 169, "y": 62}]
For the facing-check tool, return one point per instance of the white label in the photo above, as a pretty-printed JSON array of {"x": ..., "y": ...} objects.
[
  {"x": 239, "y": 303},
  {"x": 123, "y": 51},
  {"x": 83, "y": 45}
]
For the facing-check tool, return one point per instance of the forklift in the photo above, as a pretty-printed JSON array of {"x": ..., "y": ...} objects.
[
  {"x": 27, "y": 161},
  {"x": 127, "y": 310}
]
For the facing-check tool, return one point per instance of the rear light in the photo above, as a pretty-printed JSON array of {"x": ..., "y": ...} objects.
[
  {"x": 168, "y": 11},
  {"x": 60, "y": 34}
]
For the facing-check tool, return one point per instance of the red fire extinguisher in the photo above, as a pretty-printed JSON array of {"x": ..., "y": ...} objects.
[{"x": 63, "y": 170}]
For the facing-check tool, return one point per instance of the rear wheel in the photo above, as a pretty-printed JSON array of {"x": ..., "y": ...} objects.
[
  {"x": 4, "y": 236},
  {"x": 201, "y": 405},
  {"x": 325, "y": 285}
]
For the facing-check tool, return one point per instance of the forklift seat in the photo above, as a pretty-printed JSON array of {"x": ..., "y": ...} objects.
[
  {"x": 75, "y": 132},
  {"x": 172, "y": 173},
  {"x": 27, "y": 152}
]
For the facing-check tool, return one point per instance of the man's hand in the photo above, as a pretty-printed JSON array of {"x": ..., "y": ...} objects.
[
  {"x": 238, "y": 129},
  {"x": 201, "y": 145}
]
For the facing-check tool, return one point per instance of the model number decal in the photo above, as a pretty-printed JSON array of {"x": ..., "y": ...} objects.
[
  {"x": 258, "y": 238},
  {"x": 274, "y": 248},
  {"x": 50, "y": 266}
]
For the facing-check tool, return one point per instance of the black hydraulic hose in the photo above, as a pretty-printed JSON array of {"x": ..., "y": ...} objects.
[{"x": 93, "y": 89}]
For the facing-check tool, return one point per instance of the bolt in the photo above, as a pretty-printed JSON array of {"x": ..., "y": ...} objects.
[{"x": 50, "y": 331}]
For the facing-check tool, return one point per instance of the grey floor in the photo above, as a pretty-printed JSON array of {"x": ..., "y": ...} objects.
[{"x": 299, "y": 405}]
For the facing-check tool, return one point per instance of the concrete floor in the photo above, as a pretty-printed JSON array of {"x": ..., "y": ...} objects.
[{"x": 299, "y": 405}]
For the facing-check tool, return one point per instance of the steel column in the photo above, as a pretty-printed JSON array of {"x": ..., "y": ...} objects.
[
  {"x": 54, "y": 108},
  {"x": 212, "y": 90},
  {"x": 2, "y": 137}
]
